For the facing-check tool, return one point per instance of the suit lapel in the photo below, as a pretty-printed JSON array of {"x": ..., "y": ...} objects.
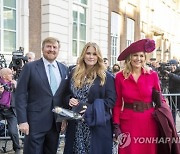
[
  {"x": 63, "y": 76},
  {"x": 61, "y": 70},
  {"x": 42, "y": 73}
]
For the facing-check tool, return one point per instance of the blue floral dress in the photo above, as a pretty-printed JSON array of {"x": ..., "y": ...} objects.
[{"x": 82, "y": 132}]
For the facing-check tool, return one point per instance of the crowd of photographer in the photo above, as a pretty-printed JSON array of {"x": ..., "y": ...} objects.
[
  {"x": 7, "y": 105},
  {"x": 169, "y": 75},
  {"x": 8, "y": 79},
  {"x": 174, "y": 85}
]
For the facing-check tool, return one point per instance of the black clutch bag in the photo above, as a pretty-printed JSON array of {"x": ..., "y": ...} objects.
[{"x": 156, "y": 97}]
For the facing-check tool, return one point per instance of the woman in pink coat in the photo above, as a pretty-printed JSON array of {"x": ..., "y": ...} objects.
[{"x": 132, "y": 115}]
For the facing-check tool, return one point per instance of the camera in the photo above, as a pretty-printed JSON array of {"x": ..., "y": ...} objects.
[
  {"x": 18, "y": 58},
  {"x": 163, "y": 76},
  {"x": 6, "y": 87},
  {"x": 163, "y": 68}
]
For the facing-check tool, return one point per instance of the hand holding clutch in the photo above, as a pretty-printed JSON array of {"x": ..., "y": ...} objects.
[
  {"x": 65, "y": 114},
  {"x": 116, "y": 130},
  {"x": 156, "y": 97}
]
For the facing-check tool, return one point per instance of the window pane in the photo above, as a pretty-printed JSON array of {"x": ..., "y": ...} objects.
[
  {"x": 79, "y": 28},
  {"x": 83, "y": 17},
  {"x": 84, "y": 2},
  {"x": 0, "y": 12},
  {"x": 0, "y": 18},
  {"x": 75, "y": 20},
  {"x": 74, "y": 30},
  {"x": 0, "y": 41},
  {"x": 9, "y": 41},
  {"x": 82, "y": 32},
  {"x": 9, "y": 19},
  {"x": 115, "y": 36},
  {"x": 81, "y": 46},
  {"x": 74, "y": 51},
  {"x": 10, "y": 3},
  {"x": 81, "y": 1},
  {"x": 75, "y": 16},
  {"x": 130, "y": 31}
]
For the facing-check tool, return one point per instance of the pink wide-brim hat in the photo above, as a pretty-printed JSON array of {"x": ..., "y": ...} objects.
[{"x": 144, "y": 45}]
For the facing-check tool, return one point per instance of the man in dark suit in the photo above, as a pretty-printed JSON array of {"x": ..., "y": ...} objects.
[{"x": 35, "y": 99}]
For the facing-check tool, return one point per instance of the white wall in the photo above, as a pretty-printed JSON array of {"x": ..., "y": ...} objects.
[
  {"x": 57, "y": 22},
  {"x": 23, "y": 25},
  {"x": 99, "y": 29}
]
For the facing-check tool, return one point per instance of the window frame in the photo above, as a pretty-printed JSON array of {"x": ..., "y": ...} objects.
[
  {"x": 115, "y": 36},
  {"x": 79, "y": 41},
  {"x": 130, "y": 31},
  {"x": 4, "y": 29}
]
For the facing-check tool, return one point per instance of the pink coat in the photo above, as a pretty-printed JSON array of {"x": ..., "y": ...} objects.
[{"x": 139, "y": 129}]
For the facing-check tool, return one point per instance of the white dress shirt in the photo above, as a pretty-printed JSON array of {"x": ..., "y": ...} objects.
[{"x": 55, "y": 70}]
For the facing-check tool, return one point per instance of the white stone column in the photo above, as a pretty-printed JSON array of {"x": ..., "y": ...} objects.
[{"x": 23, "y": 24}]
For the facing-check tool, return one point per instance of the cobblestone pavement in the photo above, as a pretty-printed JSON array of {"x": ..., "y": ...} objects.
[{"x": 61, "y": 147}]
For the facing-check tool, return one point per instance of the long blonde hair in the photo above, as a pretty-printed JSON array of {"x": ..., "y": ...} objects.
[
  {"x": 81, "y": 72},
  {"x": 128, "y": 67}
]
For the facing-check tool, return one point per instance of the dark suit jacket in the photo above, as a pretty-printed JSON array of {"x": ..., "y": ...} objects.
[{"x": 34, "y": 99}]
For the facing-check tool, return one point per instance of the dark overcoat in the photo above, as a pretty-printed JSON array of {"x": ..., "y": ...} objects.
[
  {"x": 101, "y": 136},
  {"x": 169, "y": 142}
]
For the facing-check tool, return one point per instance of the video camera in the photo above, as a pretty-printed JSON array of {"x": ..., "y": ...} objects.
[
  {"x": 163, "y": 76},
  {"x": 164, "y": 67},
  {"x": 18, "y": 60}
]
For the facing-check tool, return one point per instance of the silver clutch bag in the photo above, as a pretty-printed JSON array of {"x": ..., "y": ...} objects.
[{"x": 66, "y": 114}]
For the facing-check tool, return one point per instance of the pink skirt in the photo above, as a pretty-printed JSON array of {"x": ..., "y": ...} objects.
[{"x": 139, "y": 132}]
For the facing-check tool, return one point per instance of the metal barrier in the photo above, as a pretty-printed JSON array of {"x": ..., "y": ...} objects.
[
  {"x": 172, "y": 99},
  {"x": 6, "y": 137}
]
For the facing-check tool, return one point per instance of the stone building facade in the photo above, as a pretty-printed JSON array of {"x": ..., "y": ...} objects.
[{"x": 112, "y": 24}]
